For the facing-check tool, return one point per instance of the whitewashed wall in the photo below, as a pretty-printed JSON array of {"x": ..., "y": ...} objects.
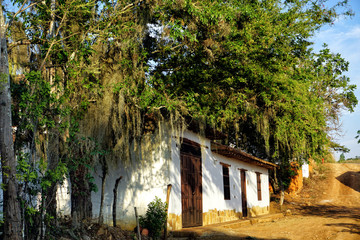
[
  {"x": 305, "y": 170},
  {"x": 63, "y": 198},
  {"x": 143, "y": 179},
  {"x": 213, "y": 191},
  {"x": 212, "y": 180},
  {"x": 159, "y": 165}
]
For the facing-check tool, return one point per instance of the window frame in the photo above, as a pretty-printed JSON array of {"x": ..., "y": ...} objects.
[
  {"x": 226, "y": 187},
  {"x": 258, "y": 184}
]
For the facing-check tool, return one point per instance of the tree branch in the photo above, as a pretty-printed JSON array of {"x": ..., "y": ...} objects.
[
  {"x": 19, "y": 11},
  {"x": 18, "y": 43},
  {"x": 53, "y": 42}
]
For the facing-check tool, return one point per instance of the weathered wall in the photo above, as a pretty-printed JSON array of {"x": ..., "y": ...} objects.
[
  {"x": 143, "y": 178},
  {"x": 213, "y": 187},
  {"x": 147, "y": 176},
  {"x": 215, "y": 208},
  {"x": 63, "y": 198},
  {"x": 305, "y": 170}
]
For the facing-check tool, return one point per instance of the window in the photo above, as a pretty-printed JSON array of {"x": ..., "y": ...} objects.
[
  {"x": 226, "y": 180},
  {"x": 258, "y": 181}
]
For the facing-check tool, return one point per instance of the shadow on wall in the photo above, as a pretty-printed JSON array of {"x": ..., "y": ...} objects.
[
  {"x": 145, "y": 176},
  {"x": 350, "y": 179}
]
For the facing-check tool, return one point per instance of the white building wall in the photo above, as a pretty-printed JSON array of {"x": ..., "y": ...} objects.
[
  {"x": 63, "y": 198},
  {"x": 214, "y": 187},
  {"x": 305, "y": 170},
  {"x": 212, "y": 180},
  {"x": 142, "y": 180},
  {"x": 147, "y": 176}
]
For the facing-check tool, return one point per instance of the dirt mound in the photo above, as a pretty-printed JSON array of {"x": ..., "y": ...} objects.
[{"x": 332, "y": 183}]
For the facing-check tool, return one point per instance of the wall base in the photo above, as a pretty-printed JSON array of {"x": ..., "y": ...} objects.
[
  {"x": 214, "y": 216},
  {"x": 174, "y": 222},
  {"x": 257, "y": 211}
]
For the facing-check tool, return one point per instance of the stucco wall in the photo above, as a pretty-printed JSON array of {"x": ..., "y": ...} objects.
[
  {"x": 305, "y": 170},
  {"x": 212, "y": 185},
  {"x": 63, "y": 198},
  {"x": 147, "y": 176},
  {"x": 213, "y": 193},
  {"x": 143, "y": 178}
]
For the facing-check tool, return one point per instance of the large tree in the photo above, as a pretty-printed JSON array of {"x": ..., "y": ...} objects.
[
  {"x": 99, "y": 69},
  {"x": 247, "y": 67},
  {"x": 11, "y": 205}
]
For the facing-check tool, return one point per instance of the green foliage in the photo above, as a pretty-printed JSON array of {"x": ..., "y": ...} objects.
[
  {"x": 358, "y": 135},
  {"x": 155, "y": 218},
  {"x": 342, "y": 158},
  {"x": 34, "y": 179},
  {"x": 250, "y": 64},
  {"x": 33, "y": 99},
  {"x": 244, "y": 67},
  {"x": 82, "y": 154}
]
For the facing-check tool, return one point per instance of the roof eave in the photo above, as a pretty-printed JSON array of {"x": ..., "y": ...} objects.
[{"x": 241, "y": 156}]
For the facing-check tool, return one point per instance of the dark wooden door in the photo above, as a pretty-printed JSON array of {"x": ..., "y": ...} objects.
[
  {"x": 191, "y": 184},
  {"x": 243, "y": 192}
]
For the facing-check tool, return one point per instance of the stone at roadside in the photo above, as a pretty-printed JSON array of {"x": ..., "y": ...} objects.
[{"x": 288, "y": 212}]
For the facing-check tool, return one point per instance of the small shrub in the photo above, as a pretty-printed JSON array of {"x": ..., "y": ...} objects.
[{"x": 155, "y": 218}]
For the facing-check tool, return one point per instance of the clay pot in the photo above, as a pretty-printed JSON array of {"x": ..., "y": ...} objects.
[{"x": 145, "y": 232}]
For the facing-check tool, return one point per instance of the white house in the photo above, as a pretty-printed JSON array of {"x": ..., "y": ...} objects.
[{"x": 211, "y": 183}]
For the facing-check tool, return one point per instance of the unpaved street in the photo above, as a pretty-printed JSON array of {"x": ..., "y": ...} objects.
[{"x": 327, "y": 208}]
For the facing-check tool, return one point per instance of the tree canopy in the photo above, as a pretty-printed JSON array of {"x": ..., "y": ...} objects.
[
  {"x": 93, "y": 71},
  {"x": 248, "y": 68}
]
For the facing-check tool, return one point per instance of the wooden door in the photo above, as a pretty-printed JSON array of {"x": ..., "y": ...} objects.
[
  {"x": 191, "y": 184},
  {"x": 243, "y": 192}
]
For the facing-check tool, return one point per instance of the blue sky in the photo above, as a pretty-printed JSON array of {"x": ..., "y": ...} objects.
[{"x": 344, "y": 37}]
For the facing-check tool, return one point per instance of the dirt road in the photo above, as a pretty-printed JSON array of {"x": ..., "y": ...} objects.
[{"x": 327, "y": 208}]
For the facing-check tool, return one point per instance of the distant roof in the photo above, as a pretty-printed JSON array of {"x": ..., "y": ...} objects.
[{"x": 240, "y": 155}]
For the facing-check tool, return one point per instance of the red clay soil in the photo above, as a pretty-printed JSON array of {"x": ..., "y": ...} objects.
[{"x": 328, "y": 207}]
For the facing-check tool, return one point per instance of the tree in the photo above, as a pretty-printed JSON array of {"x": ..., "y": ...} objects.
[
  {"x": 12, "y": 219},
  {"x": 247, "y": 67},
  {"x": 342, "y": 157},
  {"x": 100, "y": 68},
  {"x": 73, "y": 42}
]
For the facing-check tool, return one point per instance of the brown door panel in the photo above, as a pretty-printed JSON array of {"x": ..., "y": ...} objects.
[{"x": 191, "y": 184}]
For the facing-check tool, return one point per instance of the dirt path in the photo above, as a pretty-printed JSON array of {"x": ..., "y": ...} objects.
[{"x": 327, "y": 208}]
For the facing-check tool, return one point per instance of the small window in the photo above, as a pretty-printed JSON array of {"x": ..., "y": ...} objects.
[
  {"x": 258, "y": 181},
  {"x": 226, "y": 180}
]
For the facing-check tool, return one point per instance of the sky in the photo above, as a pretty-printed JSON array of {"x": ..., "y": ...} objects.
[{"x": 344, "y": 37}]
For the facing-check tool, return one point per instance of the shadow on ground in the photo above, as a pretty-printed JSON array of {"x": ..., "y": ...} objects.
[
  {"x": 350, "y": 179},
  {"x": 330, "y": 211},
  {"x": 214, "y": 234},
  {"x": 221, "y": 235},
  {"x": 348, "y": 227}
]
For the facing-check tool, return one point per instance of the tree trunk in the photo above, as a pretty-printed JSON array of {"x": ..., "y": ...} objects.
[
  {"x": 115, "y": 200},
  {"x": 81, "y": 206},
  {"x": 103, "y": 183},
  {"x": 53, "y": 140},
  {"x": 53, "y": 161},
  {"x": 12, "y": 216}
]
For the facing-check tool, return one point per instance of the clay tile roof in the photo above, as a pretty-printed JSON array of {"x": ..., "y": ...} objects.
[{"x": 239, "y": 155}]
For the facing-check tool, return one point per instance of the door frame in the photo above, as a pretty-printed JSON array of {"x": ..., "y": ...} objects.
[
  {"x": 192, "y": 216},
  {"x": 244, "y": 204}
]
